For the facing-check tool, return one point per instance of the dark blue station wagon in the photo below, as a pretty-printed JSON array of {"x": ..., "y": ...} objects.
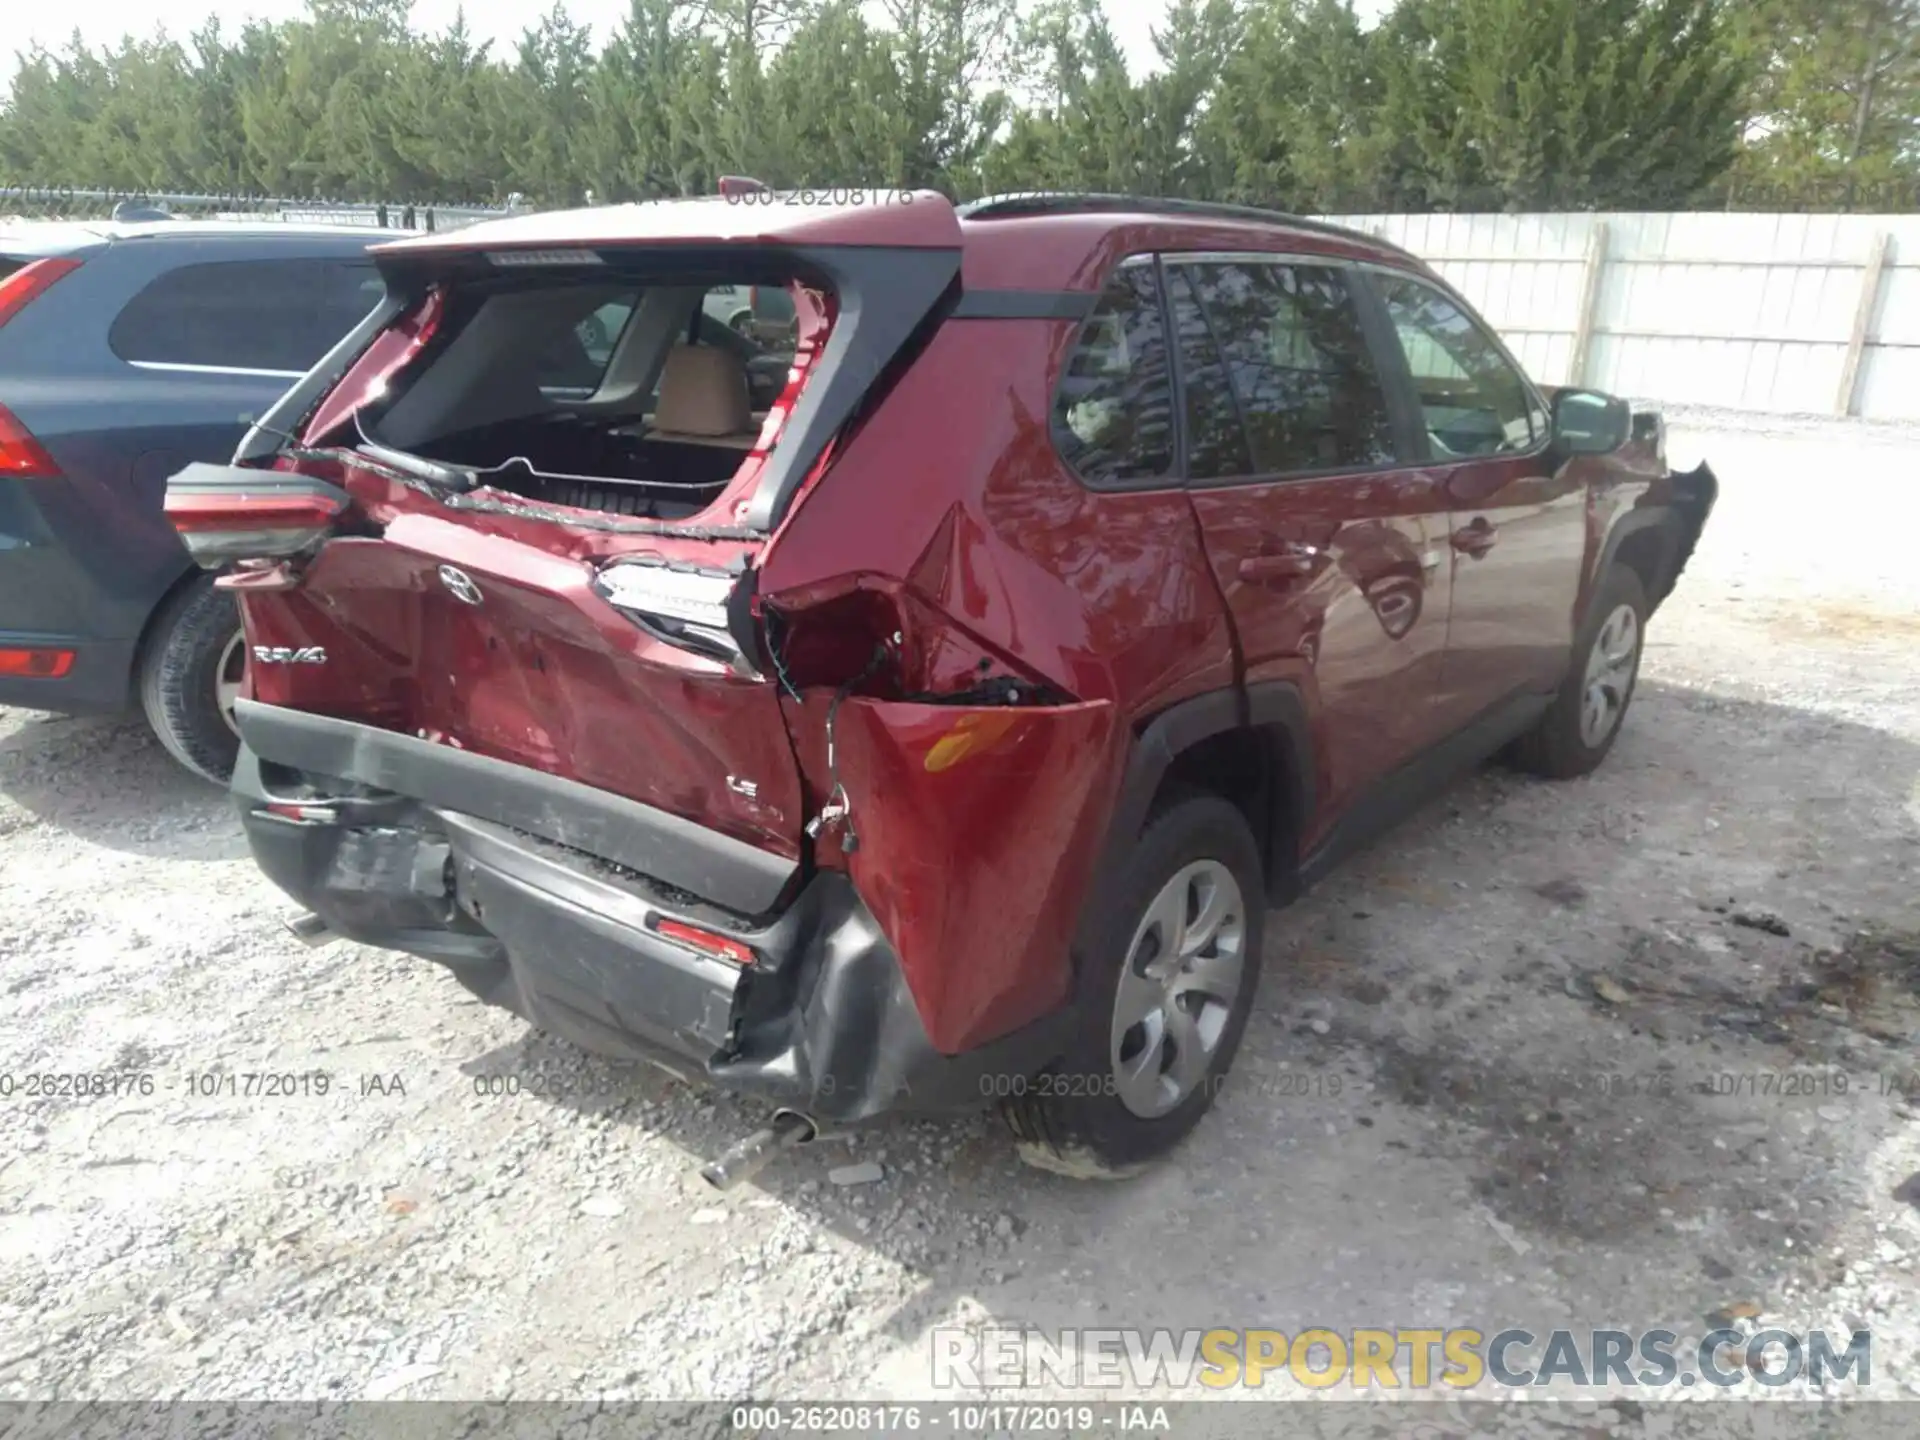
[{"x": 128, "y": 350}]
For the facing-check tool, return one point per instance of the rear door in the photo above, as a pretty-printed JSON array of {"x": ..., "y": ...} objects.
[
  {"x": 1325, "y": 541},
  {"x": 1517, "y": 522}
]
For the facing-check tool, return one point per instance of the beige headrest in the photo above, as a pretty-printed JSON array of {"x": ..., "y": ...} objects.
[{"x": 703, "y": 392}]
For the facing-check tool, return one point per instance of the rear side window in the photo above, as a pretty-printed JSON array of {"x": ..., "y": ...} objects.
[
  {"x": 1473, "y": 401},
  {"x": 568, "y": 362},
  {"x": 1113, "y": 414},
  {"x": 1299, "y": 365},
  {"x": 246, "y": 314},
  {"x": 773, "y": 305},
  {"x": 1216, "y": 433},
  {"x": 599, "y": 332},
  {"x": 573, "y": 372}
]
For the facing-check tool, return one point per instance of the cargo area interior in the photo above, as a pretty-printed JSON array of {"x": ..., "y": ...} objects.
[{"x": 614, "y": 393}]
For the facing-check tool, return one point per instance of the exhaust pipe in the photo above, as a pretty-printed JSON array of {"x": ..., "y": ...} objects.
[
  {"x": 311, "y": 930},
  {"x": 787, "y": 1129}
]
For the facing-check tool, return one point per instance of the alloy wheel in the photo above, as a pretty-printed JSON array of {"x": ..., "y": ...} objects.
[
  {"x": 228, "y": 676},
  {"x": 1182, "y": 975},
  {"x": 1610, "y": 670}
]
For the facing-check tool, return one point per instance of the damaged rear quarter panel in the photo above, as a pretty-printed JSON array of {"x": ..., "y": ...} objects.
[
  {"x": 976, "y": 831},
  {"x": 953, "y": 495},
  {"x": 954, "y": 487}
]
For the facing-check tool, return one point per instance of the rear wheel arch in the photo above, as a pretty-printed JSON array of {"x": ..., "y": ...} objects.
[
  {"x": 1253, "y": 749},
  {"x": 163, "y": 607}
]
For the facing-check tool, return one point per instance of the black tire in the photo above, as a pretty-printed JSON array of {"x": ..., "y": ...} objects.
[
  {"x": 1555, "y": 747},
  {"x": 1071, "y": 1120},
  {"x": 179, "y": 671}
]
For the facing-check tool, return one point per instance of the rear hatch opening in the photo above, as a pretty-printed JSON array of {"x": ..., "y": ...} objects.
[
  {"x": 607, "y": 383},
  {"x": 619, "y": 389}
]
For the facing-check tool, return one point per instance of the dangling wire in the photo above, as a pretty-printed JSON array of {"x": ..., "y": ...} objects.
[
  {"x": 839, "y": 806},
  {"x": 779, "y": 661}
]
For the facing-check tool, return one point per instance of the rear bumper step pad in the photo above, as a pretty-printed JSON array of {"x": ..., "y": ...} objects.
[{"x": 730, "y": 873}]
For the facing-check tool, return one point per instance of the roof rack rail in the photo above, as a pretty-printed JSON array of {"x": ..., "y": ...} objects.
[{"x": 1067, "y": 202}]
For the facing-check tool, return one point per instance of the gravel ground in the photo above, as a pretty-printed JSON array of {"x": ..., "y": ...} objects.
[{"x": 1508, "y": 1067}]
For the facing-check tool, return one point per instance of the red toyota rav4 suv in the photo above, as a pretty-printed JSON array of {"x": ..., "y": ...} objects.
[{"x": 940, "y": 729}]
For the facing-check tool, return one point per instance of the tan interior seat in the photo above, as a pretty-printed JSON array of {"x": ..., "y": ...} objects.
[{"x": 703, "y": 399}]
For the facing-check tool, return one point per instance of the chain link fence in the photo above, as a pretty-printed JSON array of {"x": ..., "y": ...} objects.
[{"x": 70, "y": 202}]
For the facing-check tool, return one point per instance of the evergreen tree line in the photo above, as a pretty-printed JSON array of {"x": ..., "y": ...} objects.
[{"x": 1443, "y": 104}]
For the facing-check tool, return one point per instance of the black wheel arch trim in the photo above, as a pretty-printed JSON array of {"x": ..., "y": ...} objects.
[
  {"x": 1634, "y": 522},
  {"x": 1698, "y": 490},
  {"x": 1684, "y": 518},
  {"x": 1276, "y": 709}
]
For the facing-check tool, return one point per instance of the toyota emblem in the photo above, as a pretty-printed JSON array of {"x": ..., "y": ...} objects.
[{"x": 460, "y": 584}]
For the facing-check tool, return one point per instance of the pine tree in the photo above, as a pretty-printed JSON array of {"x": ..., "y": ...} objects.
[
  {"x": 1559, "y": 104},
  {"x": 633, "y": 145},
  {"x": 548, "y": 105},
  {"x": 1449, "y": 103},
  {"x": 835, "y": 104},
  {"x": 1834, "y": 101}
]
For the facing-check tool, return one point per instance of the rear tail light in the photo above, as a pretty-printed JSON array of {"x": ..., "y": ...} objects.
[
  {"x": 689, "y": 608},
  {"x": 35, "y": 664},
  {"x": 686, "y": 597},
  {"x": 21, "y": 456},
  {"x": 225, "y": 513},
  {"x": 27, "y": 283}
]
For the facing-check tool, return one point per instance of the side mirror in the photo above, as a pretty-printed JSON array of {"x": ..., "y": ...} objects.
[{"x": 1586, "y": 422}]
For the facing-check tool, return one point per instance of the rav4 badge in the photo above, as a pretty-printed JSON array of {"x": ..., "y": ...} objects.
[{"x": 290, "y": 655}]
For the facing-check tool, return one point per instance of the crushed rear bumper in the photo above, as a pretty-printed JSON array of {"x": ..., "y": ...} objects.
[{"x": 821, "y": 1022}]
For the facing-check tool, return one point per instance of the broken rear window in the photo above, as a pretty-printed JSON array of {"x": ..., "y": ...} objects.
[{"x": 608, "y": 395}]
